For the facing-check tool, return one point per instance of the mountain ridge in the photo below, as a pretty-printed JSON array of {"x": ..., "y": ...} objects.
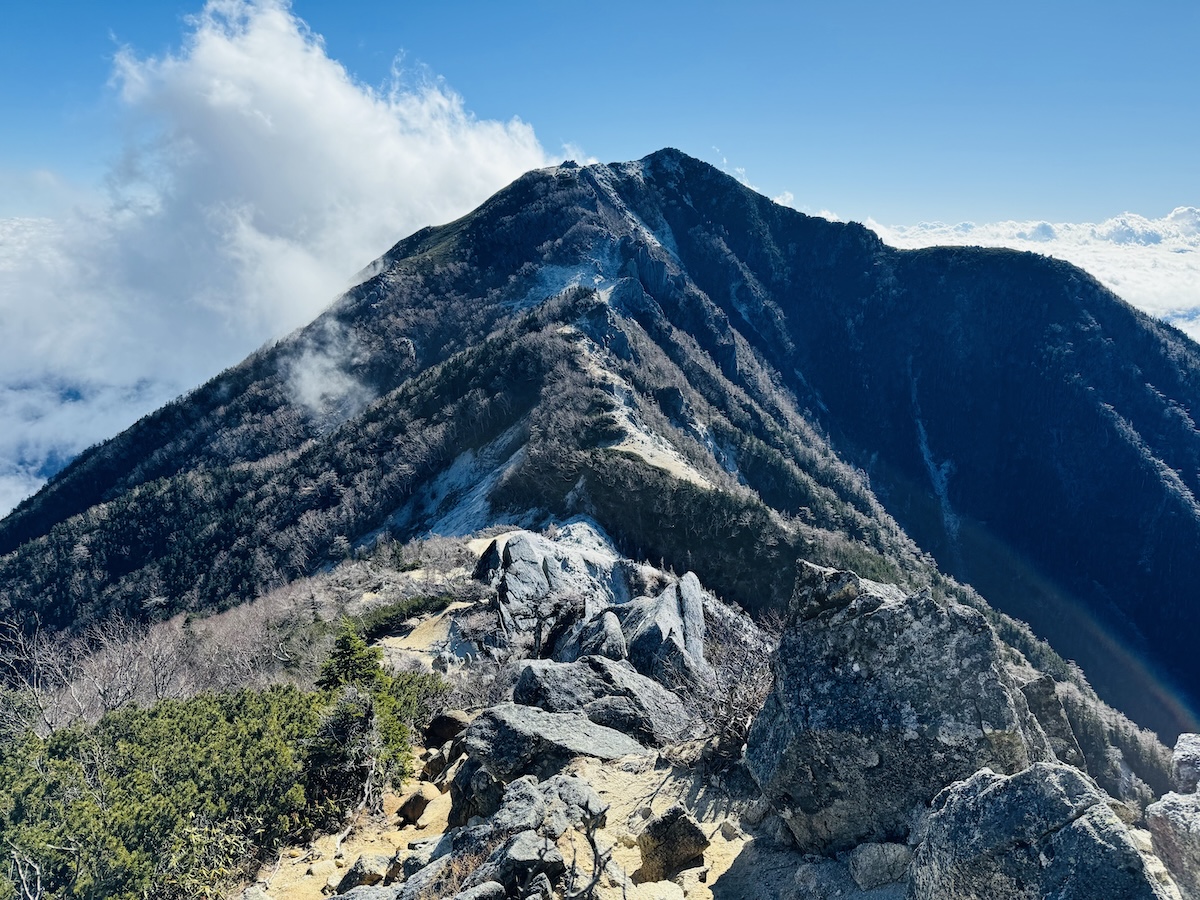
[{"x": 840, "y": 394}]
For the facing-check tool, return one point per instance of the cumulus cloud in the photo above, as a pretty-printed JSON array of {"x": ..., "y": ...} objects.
[
  {"x": 1152, "y": 263},
  {"x": 258, "y": 176}
]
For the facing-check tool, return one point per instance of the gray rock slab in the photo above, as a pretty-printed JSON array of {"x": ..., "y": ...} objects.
[
  {"x": 1044, "y": 832},
  {"x": 510, "y": 740},
  {"x": 1174, "y": 823},
  {"x": 880, "y": 700},
  {"x": 609, "y": 693}
]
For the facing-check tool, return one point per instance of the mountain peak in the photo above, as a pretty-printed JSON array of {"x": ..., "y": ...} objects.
[{"x": 721, "y": 382}]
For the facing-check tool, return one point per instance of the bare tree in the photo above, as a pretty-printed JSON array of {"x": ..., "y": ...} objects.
[{"x": 739, "y": 652}]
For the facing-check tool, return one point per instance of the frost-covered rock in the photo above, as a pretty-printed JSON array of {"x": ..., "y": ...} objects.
[
  {"x": 1045, "y": 832},
  {"x": 609, "y": 693},
  {"x": 881, "y": 700},
  {"x": 1048, "y": 710}
]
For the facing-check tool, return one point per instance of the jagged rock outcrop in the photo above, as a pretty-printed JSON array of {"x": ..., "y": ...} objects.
[
  {"x": 1185, "y": 763},
  {"x": 609, "y": 693},
  {"x": 509, "y": 741},
  {"x": 600, "y": 636},
  {"x": 547, "y": 588},
  {"x": 516, "y": 842},
  {"x": 1044, "y": 832},
  {"x": 881, "y": 700},
  {"x": 665, "y": 634},
  {"x": 523, "y": 583},
  {"x": 1174, "y": 823},
  {"x": 1048, "y": 710}
]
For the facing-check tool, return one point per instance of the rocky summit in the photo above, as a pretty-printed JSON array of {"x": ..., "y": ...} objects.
[{"x": 646, "y": 539}]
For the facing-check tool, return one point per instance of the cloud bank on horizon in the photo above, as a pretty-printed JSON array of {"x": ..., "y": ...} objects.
[
  {"x": 258, "y": 175},
  {"x": 1154, "y": 264}
]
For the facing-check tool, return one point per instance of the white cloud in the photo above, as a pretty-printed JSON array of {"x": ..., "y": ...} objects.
[
  {"x": 1152, "y": 263},
  {"x": 259, "y": 176}
]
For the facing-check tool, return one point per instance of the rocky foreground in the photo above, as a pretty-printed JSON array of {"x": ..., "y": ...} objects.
[{"x": 637, "y": 738}]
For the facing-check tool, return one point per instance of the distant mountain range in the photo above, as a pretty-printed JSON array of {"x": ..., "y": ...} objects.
[{"x": 725, "y": 385}]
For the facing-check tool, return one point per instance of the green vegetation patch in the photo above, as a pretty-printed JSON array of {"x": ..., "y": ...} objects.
[{"x": 187, "y": 796}]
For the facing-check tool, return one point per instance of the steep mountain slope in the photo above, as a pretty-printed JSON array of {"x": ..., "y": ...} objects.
[{"x": 726, "y": 385}]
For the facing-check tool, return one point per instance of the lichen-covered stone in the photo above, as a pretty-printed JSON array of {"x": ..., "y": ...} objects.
[
  {"x": 881, "y": 700},
  {"x": 1045, "y": 832},
  {"x": 1174, "y": 823},
  {"x": 1185, "y": 763}
]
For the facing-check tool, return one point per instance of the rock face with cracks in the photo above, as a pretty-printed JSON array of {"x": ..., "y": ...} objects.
[
  {"x": 880, "y": 701},
  {"x": 609, "y": 693},
  {"x": 509, "y": 741},
  {"x": 1185, "y": 763},
  {"x": 1175, "y": 826},
  {"x": 1044, "y": 832}
]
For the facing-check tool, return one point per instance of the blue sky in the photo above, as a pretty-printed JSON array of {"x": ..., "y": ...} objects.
[
  {"x": 902, "y": 112},
  {"x": 181, "y": 182}
]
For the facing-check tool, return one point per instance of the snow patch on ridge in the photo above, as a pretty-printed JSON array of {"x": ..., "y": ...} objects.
[
  {"x": 455, "y": 503},
  {"x": 939, "y": 473},
  {"x": 603, "y": 178},
  {"x": 638, "y": 439}
]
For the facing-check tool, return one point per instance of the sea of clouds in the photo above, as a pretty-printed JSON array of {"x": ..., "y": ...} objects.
[{"x": 1153, "y": 264}]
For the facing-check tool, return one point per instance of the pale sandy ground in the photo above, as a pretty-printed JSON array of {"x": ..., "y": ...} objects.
[
  {"x": 418, "y": 646},
  {"x": 311, "y": 872},
  {"x": 634, "y": 789}
]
